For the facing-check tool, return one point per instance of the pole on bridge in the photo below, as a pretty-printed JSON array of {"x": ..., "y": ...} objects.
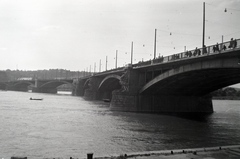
[
  {"x": 155, "y": 44},
  {"x": 116, "y": 59},
  {"x": 131, "y": 52},
  {"x": 222, "y": 43},
  {"x": 203, "y": 38},
  {"x": 94, "y": 67},
  {"x": 106, "y": 63},
  {"x": 100, "y": 65}
]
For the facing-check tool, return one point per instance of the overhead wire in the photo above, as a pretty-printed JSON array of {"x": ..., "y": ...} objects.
[{"x": 173, "y": 33}]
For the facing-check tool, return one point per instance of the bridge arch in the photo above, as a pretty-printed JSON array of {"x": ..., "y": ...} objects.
[
  {"x": 109, "y": 79},
  {"x": 50, "y": 86},
  {"x": 21, "y": 85},
  {"x": 86, "y": 84},
  {"x": 107, "y": 85},
  {"x": 54, "y": 84},
  {"x": 195, "y": 79},
  {"x": 25, "y": 83}
]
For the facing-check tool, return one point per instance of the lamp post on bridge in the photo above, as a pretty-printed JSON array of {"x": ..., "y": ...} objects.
[
  {"x": 116, "y": 59},
  {"x": 106, "y": 63},
  {"x": 155, "y": 44},
  {"x": 94, "y": 67},
  {"x": 100, "y": 65},
  {"x": 131, "y": 53},
  {"x": 203, "y": 36}
]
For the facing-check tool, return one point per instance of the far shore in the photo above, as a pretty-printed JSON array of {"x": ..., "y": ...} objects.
[{"x": 226, "y": 98}]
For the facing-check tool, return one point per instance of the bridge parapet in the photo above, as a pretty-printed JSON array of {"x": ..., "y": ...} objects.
[{"x": 198, "y": 52}]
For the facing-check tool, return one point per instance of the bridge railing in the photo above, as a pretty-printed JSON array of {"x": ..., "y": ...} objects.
[
  {"x": 198, "y": 52},
  {"x": 212, "y": 49}
]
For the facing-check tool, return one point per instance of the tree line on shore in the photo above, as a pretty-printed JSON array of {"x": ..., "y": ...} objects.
[
  {"x": 226, "y": 93},
  {"x": 13, "y": 75}
]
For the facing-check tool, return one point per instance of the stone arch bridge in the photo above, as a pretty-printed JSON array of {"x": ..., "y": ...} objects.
[{"x": 177, "y": 83}]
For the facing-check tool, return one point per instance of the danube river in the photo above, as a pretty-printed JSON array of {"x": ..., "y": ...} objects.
[{"x": 64, "y": 126}]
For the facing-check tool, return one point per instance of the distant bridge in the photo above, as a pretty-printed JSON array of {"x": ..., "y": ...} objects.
[
  {"x": 176, "y": 83},
  {"x": 41, "y": 86}
]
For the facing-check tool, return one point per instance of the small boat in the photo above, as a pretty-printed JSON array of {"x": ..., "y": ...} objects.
[
  {"x": 36, "y": 98},
  {"x": 106, "y": 100}
]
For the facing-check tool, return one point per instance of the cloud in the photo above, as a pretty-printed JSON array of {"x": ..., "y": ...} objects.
[
  {"x": 49, "y": 28},
  {"x": 3, "y": 48}
]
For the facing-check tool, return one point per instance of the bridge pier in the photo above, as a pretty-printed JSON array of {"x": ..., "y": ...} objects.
[
  {"x": 161, "y": 104},
  {"x": 80, "y": 88},
  {"x": 44, "y": 90},
  {"x": 176, "y": 104},
  {"x": 122, "y": 101},
  {"x": 129, "y": 99},
  {"x": 92, "y": 93}
]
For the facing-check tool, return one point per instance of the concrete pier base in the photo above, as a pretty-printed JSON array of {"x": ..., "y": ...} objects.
[
  {"x": 161, "y": 104},
  {"x": 90, "y": 94},
  {"x": 124, "y": 102}
]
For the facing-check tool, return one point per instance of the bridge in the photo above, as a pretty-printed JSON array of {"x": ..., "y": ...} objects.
[
  {"x": 176, "y": 83},
  {"x": 41, "y": 86}
]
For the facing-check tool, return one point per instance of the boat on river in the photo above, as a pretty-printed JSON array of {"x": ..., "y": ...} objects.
[
  {"x": 36, "y": 98},
  {"x": 106, "y": 100}
]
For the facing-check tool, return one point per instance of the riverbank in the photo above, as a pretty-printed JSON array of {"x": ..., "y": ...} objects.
[
  {"x": 223, "y": 152},
  {"x": 226, "y": 98}
]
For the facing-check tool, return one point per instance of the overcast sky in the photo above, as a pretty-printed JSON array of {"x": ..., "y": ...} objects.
[{"x": 74, "y": 34}]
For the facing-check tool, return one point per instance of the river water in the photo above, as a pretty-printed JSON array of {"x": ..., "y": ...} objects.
[{"x": 64, "y": 126}]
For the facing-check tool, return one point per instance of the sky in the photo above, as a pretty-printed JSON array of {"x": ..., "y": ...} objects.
[{"x": 77, "y": 34}]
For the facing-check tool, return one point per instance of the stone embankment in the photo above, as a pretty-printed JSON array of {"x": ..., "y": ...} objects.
[{"x": 222, "y": 152}]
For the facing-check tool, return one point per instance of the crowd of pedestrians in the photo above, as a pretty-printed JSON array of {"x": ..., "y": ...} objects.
[{"x": 215, "y": 48}]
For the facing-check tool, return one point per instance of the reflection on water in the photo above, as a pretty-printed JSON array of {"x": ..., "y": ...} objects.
[
  {"x": 64, "y": 126},
  {"x": 64, "y": 92}
]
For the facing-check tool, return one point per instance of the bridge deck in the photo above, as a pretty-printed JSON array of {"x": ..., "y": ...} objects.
[{"x": 225, "y": 47}]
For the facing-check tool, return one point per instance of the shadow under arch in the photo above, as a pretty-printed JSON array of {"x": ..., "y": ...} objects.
[{"x": 107, "y": 85}]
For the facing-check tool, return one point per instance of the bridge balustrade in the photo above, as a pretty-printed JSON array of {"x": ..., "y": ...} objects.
[
  {"x": 222, "y": 47},
  {"x": 198, "y": 52}
]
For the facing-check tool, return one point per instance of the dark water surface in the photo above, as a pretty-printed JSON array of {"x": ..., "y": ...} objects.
[{"x": 64, "y": 126}]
